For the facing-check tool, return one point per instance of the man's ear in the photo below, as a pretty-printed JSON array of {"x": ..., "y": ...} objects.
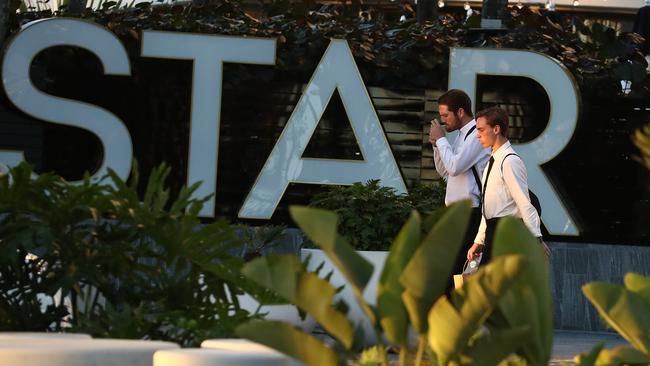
[
  {"x": 460, "y": 113},
  {"x": 497, "y": 129}
]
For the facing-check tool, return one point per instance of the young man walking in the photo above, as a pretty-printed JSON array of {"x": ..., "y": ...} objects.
[
  {"x": 460, "y": 163},
  {"x": 504, "y": 184}
]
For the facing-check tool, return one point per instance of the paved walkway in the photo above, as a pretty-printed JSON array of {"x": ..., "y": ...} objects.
[{"x": 567, "y": 344}]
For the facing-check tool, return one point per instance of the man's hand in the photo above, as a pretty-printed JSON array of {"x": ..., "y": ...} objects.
[
  {"x": 435, "y": 132},
  {"x": 474, "y": 251}
]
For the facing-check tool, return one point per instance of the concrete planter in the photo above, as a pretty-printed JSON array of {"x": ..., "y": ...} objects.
[
  {"x": 218, "y": 357},
  {"x": 43, "y": 335},
  {"x": 79, "y": 352}
]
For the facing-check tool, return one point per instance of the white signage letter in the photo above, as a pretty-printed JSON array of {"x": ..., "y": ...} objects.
[
  {"x": 40, "y": 35},
  {"x": 336, "y": 70},
  {"x": 467, "y": 63},
  {"x": 208, "y": 52}
]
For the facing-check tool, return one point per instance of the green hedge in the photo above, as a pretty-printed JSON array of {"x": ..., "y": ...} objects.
[
  {"x": 390, "y": 53},
  {"x": 370, "y": 216}
]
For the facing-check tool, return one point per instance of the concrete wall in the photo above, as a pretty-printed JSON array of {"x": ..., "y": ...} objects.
[{"x": 575, "y": 264}]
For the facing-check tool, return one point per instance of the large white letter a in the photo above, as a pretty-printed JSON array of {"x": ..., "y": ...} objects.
[{"x": 336, "y": 70}]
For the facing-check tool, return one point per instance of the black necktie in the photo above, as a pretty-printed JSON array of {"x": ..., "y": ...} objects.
[{"x": 487, "y": 176}]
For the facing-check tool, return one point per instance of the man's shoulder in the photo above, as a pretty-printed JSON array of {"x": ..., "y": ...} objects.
[{"x": 511, "y": 160}]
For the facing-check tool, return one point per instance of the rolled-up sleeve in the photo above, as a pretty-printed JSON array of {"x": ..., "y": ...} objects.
[{"x": 480, "y": 235}]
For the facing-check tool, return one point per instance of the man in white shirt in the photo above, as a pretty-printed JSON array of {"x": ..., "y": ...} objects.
[
  {"x": 460, "y": 163},
  {"x": 505, "y": 184}
]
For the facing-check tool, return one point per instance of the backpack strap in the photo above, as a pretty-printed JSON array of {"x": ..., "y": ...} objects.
[
  {"x": 504, "y": 159},
  {"x": 468, "y": 132},
  {"x": 534, "y": 200},
  {"x": 474, "y": 172}
]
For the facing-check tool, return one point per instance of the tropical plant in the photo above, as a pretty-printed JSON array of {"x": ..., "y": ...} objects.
[
  {"x": 370, "y": 215},
  {"x": 626, "y": 308},
  {"x": 102, "y": 259},
  {"x": 258, "y": 240},
  {"x": 504, "y": 309}
]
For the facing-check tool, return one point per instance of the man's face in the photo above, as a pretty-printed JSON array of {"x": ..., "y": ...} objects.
[
  {"x": 452, "y": 121},
  {"x": 485, "y": 133}
]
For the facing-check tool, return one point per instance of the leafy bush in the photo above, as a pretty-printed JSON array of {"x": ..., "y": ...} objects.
[
  {"x": 127, "y": 266},
  {"x": 389, "y": 52},
  {"x": 259, "y": 240},
  {"x": 370, "y": 215},
  {"x": 503, "y": 310}
]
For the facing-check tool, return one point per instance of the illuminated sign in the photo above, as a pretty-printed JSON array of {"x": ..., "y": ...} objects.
[{"x": 337, "y": 71}]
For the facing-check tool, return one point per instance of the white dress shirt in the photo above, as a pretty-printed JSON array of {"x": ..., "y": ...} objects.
[
  {"x": 454, "y": 163},
  {"x": 506, "y": 193}
]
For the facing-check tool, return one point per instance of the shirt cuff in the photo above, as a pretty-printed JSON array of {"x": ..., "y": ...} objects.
[{"x": 442, "y": 141}]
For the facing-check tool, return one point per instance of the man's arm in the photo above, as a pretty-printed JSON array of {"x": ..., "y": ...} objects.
[
  {"x": 515, "y": 178},
  {"x": 435, "y": 132},
  {"x": 479, "y": 241},
  {"x": 468, "y": 155},
  {"x": 437, "y": 161}
]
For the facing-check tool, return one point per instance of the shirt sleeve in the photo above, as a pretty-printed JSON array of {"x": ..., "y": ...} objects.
[
  {"x": 516, "y": 180},
  {"x": 480, "y": 235},
  {"x": 469, "y": 153},
  {"x": 440, "y": 166}
]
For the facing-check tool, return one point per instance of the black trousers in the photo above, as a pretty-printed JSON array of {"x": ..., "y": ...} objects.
[
  {"x": 468, "y": 241},
  {"x": 491, "y": 226}
]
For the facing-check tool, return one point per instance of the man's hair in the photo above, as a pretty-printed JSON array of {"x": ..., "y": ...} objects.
[
  {"x": 495, "y": 116},
  {"x": 455, "y": 99}
]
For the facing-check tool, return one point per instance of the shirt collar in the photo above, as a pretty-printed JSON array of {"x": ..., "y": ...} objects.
[
  {"x": 501, "y": 151},
  {"x": 467, "y": 127}
]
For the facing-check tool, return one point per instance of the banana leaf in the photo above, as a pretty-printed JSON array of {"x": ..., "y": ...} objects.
[
  {"x": 451, "y": 328},
  {"x": 529, "y": 302},
  {"x": 625, "y": 311},
  {"x": 618, "y": 356},
  {"x": 289, "y": 340},
  {"x": 285, "y": 275},
  {"x": 393, "y": 315},
  {"x": 427, "y": 274},
  {"x": 321, "y": 227}
]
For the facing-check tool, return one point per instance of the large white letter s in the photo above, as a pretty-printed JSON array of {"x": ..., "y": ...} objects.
[{"x": 40, "y": 35}]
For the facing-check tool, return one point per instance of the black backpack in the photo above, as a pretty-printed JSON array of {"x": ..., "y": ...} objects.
[{"x": 533, "y": 197}]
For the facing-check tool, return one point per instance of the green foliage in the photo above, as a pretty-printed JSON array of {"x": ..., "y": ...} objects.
[
  {"x": 370, "y": 215},
  {"x": 432, "y": 261},
  {"x": 594, "y": 53},
  {"x": 289, "y": 340},
  {"x": 456, "y": 324},
  {"x": 286, "y": 276},
  {"x": 460, "y": 331},
  {"x": 132, "y": 266},
  {"x": 389, "y": 52},
  {"x": 389, "y": 291},
  {"x": 529, "y": 303},
  {"x": 257, "y": 240},
  {"x": 625, "y": 308}
]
